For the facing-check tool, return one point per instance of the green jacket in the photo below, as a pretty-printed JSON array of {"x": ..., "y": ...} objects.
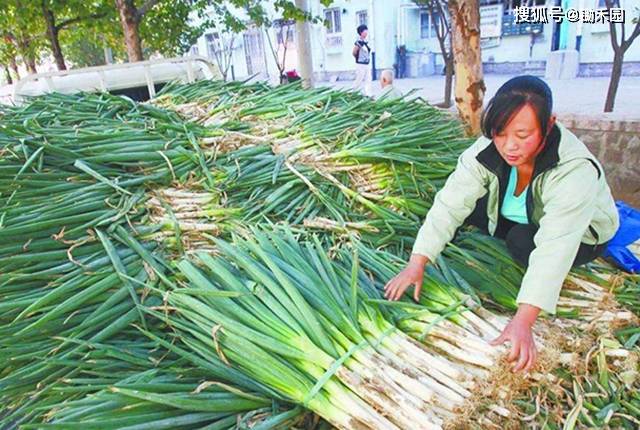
[{"x": 568, "y": 199}]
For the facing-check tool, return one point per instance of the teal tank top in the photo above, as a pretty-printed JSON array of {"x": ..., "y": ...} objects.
[{"x": 515, "y": 208}]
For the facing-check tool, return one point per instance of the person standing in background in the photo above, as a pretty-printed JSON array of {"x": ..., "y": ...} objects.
[{"x": 362, "y": 53}]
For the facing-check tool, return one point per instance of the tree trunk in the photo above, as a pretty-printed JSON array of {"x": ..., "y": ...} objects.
[
  {"x": 220, "y": 55},
  {"x": 274, "y": 51},
  {"x": 448, "y": 82},
  {"x": 28, "y": 59},
  {"x": 23, "y": 46},
  {"x": 465, "y": 43},
  {"x": 7, "y": 74},
  {"x": 30, "y": 62},
  {"x": 616, "y": 72},
  {"x": 31, "y": 65},
  {"x": 130, "y": 27},
  {"x": 14, "y": 66},
  {"x": 52, "y": 34},
  {"x": 303, "y": 44}
]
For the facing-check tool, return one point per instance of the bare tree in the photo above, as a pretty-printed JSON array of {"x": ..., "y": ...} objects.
[
  {"x": 441, "y": 22},
  {"x": 282, "y": 39},
  {"x": 223, "y": 46},
  {"x": 619, "y": 49}
]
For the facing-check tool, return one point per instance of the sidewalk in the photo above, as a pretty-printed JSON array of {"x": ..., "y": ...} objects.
[{"x": 583, "y": 96}]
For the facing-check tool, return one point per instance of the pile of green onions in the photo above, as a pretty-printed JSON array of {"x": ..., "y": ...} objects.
[{"x": 146, "y": 249}]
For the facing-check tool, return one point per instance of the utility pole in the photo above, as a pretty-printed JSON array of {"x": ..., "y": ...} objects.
[
  {"x": 303, "y": 43},
  {"x": 372, "y": 39}
]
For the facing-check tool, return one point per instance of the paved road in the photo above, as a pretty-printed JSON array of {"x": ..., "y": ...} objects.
[{"x": 577, "y": 96}]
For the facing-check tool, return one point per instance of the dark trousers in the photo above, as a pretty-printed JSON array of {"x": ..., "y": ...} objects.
[{"x": 519, "y": 237}]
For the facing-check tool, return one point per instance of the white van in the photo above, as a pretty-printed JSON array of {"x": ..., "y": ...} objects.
[{"x": 140, "y": 80}]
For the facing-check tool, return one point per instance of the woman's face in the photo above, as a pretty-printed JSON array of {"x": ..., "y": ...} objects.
[{"x": 521, "y": 139}]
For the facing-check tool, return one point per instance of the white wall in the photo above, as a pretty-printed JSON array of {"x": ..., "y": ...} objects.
[
  {"x": 516, "y": 48},
  {"x": 386, "y": 17},
  {"x": 596, "y": 40}
]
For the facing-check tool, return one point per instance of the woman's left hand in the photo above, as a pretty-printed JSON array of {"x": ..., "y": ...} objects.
[{"x": 518, "y": 332}]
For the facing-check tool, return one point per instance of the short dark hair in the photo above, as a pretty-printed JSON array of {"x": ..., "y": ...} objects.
[
  {"x": 361, "y": 28},
  {"x": 511, "y": 97}
]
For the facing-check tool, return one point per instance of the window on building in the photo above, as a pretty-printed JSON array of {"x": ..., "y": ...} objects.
[
  {"x": 427, "y": 25},
  {"x": 424, "y": 24},
  {"x": 361, "y": 17},
  {"x": 194, "y": 50},
  {"x": 333, "y": 19}
]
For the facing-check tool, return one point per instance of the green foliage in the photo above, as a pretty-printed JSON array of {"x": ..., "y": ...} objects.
[
  {"x": 7, "y": 52},
  {"x": 169, "y": 28},
  {"x": 20, "y": 26},
  {"x": 257, "y": 13},
  {"x": 84, "y": 41}
]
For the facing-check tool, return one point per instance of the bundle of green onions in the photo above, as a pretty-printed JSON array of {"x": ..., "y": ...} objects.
[
  {"x": 187, "y": 218},
  {"x": 65, "y": 176},
  {"x": 333, "y": 151},
  {"x": 280, "y": 311},
  {"x": 484, "y": 263},
  {"x": 167, "y": 399}
]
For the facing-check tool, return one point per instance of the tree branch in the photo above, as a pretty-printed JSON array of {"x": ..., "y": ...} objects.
[
  {"x": 229, "y": 55},
  {"x": 443, "y": 16},
  {"x": 271, "y": 48},
  {"x": 441, "y": 36},
  {"x": 218, "y": 54},
  {"x": 70, "y": 21},
  {"x": 613, "y": 33},
  {"x": 636, "y": 32},
  {"x": 286, "y": 46},
  {"x": 142, "y": 10}
]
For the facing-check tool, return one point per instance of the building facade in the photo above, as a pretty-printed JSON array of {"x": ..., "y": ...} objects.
[
  {"x": 404, "y": 37},
  {"x": 527, "y": 46}
]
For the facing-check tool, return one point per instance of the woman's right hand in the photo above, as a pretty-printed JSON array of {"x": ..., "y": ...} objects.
[{"x": 410, "y": 275}]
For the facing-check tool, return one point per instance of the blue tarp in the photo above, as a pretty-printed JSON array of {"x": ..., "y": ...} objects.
[{"x": 628, "y": 233}]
